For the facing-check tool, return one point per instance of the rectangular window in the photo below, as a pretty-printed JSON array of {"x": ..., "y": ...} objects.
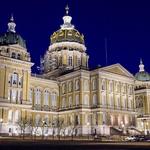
[{"x": 14, "y": 95}]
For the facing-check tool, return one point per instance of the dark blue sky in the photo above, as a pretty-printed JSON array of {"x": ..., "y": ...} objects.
[{"x": 125, "y": 23}]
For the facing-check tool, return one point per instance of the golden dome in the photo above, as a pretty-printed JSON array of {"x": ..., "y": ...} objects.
[
  {"x": 65, "y": 35},
  {"x": 67, "y": 32}
]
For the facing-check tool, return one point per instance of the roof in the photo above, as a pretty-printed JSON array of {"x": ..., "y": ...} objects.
[
  {"x": 142, "y": 76},
  {"x": 67, "y": 35},
  {"x": 9, "y": 38}
]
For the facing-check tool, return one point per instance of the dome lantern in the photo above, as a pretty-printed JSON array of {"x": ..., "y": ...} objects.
[
  {"x": 11, "y": 25},
  {"x": 141, "y": 66},
  {"x": 67, "y": 20}
]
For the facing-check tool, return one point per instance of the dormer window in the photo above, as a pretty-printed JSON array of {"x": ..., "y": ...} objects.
[
  {"x": 7, "y": 50},
  {"x": 19, "y": 56},
  {"x": 13, "y": 55}
]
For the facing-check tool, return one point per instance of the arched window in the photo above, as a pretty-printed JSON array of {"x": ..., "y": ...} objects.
[
  {"x": 38, "y": 97},
  {"x": 111, "y": 100},
  {"x": 118, "y": 102},
  {"x": 103, "y": 85},
  {"x": 124, "y": 102},
  {"x": 37, "y": 120},
  {"x": 130, "y": 103},
  {"x": 94, "y": 84},
  {"x": 9, "y": 94},
  {"x": 95, "y": 119},
  {"x": 104, "y": 118},
  {"x": 13, "y": 55},
  {"x": 77, "y": 85},
  {"x": 14, "y": 79},
  {"x": 70, "y": 86},
  {"x": 31, "y": 95},
  {"x": 64, "y": 88},
  {"x": 46, "y": 97},
  {"x": 17, "y": 115},
  {"x": 19, "y": 56},
  {"x": 46, "y": 119},
  {"x": 70, "y": 61},
  {"x": 86, "y": 85},
  {"x": 70, "y": 101},
  {"x": 77, "y": 100},
  {"x": 54, "y": 99},
  {"x": 103, "y": 100},
  {"x": 10, "y": 116},
  {"x": 20, "y": 81},
  {"x": 94, "y": 99},
  {"x": 77, "y": 119},
  {"x": 86, "y": 100},
  {"x": 14, "y": 95},
  {"x": 63, "y": 102},
  {"x": 19, "y": 96},
  {"x": 9, "y": 79}
]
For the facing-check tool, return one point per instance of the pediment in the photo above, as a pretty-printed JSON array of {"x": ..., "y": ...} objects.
[{"x": 118, "y": 69}]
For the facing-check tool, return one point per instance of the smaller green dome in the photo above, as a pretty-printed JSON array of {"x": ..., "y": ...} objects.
[
  {"x": 9, "y": 38},
  {"x": 142, "y": 76}
]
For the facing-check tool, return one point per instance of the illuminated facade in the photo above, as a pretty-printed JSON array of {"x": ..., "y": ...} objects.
[{"x": 68, "y": 98}]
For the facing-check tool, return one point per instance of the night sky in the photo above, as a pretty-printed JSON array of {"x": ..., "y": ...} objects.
[{"x": 125, "y": 24}]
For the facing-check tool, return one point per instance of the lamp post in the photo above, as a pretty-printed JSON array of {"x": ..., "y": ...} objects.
[{"x": 1, "y": 123}]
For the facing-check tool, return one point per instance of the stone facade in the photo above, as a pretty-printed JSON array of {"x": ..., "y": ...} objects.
[{"x": 68, "y": 98}]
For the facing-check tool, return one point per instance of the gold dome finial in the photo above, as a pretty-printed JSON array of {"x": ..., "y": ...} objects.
[{"x": 67, "y": 9}]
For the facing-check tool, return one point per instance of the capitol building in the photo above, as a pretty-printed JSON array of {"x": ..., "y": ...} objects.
[{"x": 67, "y": 97}]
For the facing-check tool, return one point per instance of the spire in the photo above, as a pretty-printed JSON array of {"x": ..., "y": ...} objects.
[
  {"x": 141, "y": 66},
  {"x": 11, "y": 25},
  {"x": 12, "y": 18},
  {"x": 67, "y": 20},
  {"x": 67, "y": 10}
]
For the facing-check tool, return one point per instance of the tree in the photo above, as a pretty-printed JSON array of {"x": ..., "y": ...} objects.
[
  {"x": 45, "y": 127},
  {"x": 37, "y": 125},
  {"x": 73, "y": 128},
  {"x": 23, "y": 123},
  {"x": 31, "y": 127},
  {"x": 57, "y": 124}
]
